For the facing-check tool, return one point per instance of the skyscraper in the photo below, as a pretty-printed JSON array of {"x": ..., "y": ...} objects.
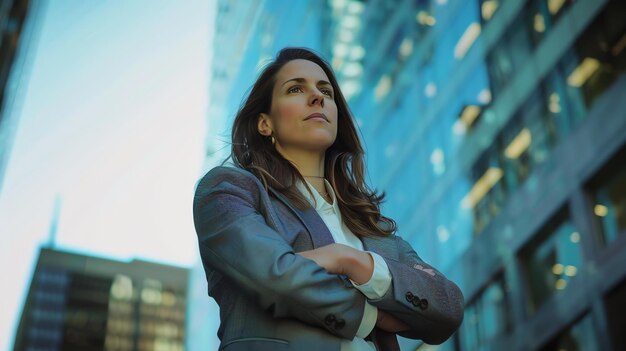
[
  {"x": 19, "y": 20},
  {"x": 498, "y": 130},
  {"x": 78, "y": 302}
]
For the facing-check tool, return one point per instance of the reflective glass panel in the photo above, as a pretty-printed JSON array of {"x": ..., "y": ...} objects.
[
  {"x": 551, "y": 261},
  {"x": 487, "y": 317},
  {"x": 580, "y": 337},
  {"x": 609, "y": 199}
]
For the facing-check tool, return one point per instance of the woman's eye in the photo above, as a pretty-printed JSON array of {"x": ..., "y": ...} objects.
[
  {"x": 327, "y": 92},
  {"x": 294, "y": 89}
]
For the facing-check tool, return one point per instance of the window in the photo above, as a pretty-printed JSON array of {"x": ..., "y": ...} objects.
[
  {"x": 541, "y": 138},
  {"x": 581, "y": 336},
  {"x": 615, "y": 305},
  {"x": 564, "y": 109},
  {"x": 514, "y": 142},
  {"x": 608, "y": 190},
  {"x": 488, "y": 9},
  {"x": 551, "y": 260},
  {"x": 487, "y": 317},
  {"x": 598, "y": 56},
  {"x": 488, "y": 192},
  {"x": 509, "y": 54},
  {"x": 500, "y": 66},
  {"x": 543, "y": 15}
]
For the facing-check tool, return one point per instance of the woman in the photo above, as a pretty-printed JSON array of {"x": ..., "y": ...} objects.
[{"x": 295, "y": 250}]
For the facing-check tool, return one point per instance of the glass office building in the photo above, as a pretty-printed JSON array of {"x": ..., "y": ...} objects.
[
  {"x": 498, "y": 131},
  {"x": 78, "y": 302},
  {"x": 248, "y": 34}
]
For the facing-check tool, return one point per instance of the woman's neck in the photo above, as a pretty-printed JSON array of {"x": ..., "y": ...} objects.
[{"x": 309, "y": 164}]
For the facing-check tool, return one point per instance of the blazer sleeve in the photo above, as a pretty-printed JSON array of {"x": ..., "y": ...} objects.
[
  {"x": 235, "y": 239},
  {"x": 421, "y": 297}
]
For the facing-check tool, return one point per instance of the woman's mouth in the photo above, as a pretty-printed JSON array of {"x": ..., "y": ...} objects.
[{"x": 317, "y": 117}]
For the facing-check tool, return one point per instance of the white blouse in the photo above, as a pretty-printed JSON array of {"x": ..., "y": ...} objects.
[{"x": 380, "y": 281}]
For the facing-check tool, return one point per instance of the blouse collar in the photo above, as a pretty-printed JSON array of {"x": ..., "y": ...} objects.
[{"x": 317, "y": 201}]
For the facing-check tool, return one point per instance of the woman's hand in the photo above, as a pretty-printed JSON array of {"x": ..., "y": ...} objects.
[
  {"x": 358, "y": 266},
  {"x": 389, "y": 323},
  {"x": 342, "y": 259}
]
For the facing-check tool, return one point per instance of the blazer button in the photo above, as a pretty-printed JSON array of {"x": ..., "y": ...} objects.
[
  {"x": 409, "y": 296},
  {"x": 424, "y": 304},
  {"x": 340, "y": 324},
  {"x": 330, "y": 319},
  {"x": 416, "y": 302}
]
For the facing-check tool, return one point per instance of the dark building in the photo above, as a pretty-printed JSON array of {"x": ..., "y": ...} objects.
[
  {"x": 16, "y": 38},
  {"x": 78, "y": 302}
]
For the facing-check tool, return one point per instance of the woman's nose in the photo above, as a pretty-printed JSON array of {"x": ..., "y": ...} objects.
[{"x": 317, "y": 98}]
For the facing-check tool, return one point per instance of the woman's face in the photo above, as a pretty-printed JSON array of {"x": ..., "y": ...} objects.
[{"x": 303, "y": 115}]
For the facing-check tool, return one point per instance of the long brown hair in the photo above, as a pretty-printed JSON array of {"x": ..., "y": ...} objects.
[{"x": 344, "y": 167}]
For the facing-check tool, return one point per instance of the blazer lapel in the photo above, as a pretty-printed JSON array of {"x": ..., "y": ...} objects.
[{"x": 320, "y": 235}]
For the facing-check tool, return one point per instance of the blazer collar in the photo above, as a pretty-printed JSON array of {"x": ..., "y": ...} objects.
[{"x": 320, "y": 235}]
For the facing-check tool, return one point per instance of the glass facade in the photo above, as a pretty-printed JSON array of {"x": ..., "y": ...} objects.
[
  {"x": 610, "y": 207},
  {"x": 542, "y": 15},
  {"x": 608, "y": 200},
  {"x": 519, "y": 122},
  {"x": 598, "y": 56},
  {"x": 552, "y": 111},
  {"x": 579, "y": 337},
  {"x": 488, "y": 9},
  {"x": 48, "y": 311},
  {"x": 552, "y": 261},
  {"x": 487, "y": 317},
  {"x": 564, "y": 107},
  {"x": 79, "y": 302},
  {"x": 510, "y": 53}
]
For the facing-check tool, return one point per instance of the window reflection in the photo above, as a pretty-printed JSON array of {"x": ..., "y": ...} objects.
[
  {"x": 580, "y": 337},
  {"x": 488, "y": 8},
  {"x": 551, "y": 261},
  {"x": 542, "y": 15},
  {"x": 609, "y": 199},
  {"x": 488, "y": 193},
  {"x": 487, "y": 317},
  {"x": 564, "y": 108},
  {"x": 598, "y": 57},
  {"x": 548, "y": 115},
  {"x": 510, "y": 53}
]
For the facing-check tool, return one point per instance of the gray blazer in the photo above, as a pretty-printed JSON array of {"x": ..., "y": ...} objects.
[{"x": 273, "y": 299}]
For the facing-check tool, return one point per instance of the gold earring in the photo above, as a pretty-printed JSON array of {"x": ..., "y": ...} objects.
[{"x": 273, "y": 140}]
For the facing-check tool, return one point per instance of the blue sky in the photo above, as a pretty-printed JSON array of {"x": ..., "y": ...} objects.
[{"x": 114, "y": 122}]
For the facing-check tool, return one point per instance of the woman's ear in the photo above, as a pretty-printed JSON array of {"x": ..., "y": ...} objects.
[{"x": 264, "y": 125}]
